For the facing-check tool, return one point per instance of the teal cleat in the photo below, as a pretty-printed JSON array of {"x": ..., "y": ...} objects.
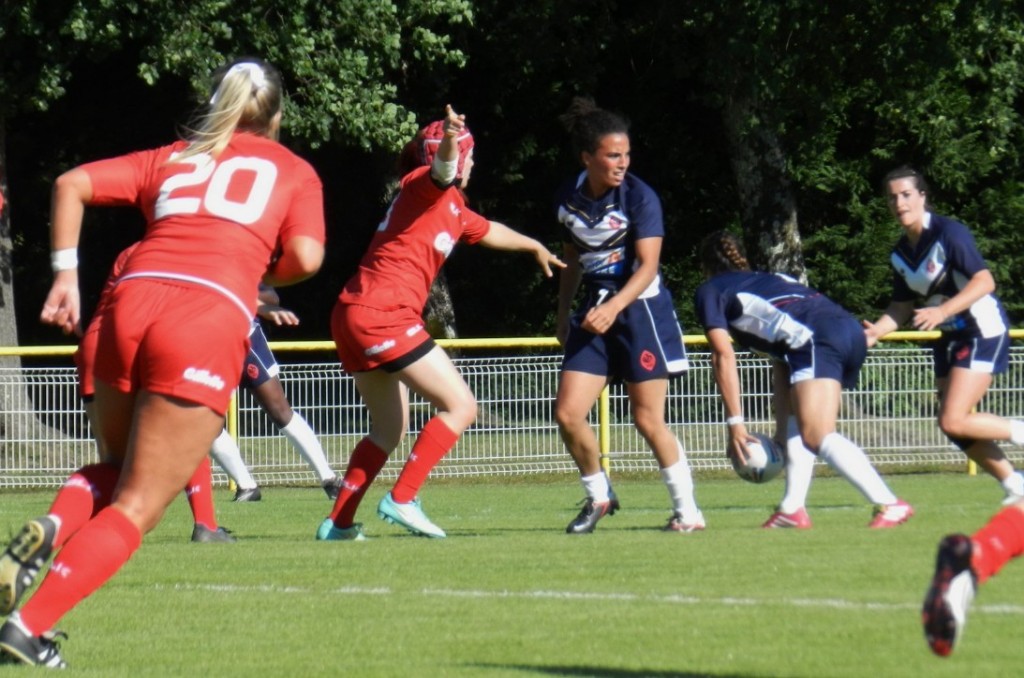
[
  {"x": 328, "y": 532},
  {"x": 410, "y": 516}
]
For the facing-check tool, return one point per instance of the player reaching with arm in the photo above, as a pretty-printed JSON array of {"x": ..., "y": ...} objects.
[
  {"x": 941, "y": 282},
  {"x": 818, "y": 349},
  {"x": 377, "y": 325},
  {"x": 174, "y": 334}
]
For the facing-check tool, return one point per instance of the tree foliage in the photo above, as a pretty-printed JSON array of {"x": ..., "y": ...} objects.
[{"x": 773, "y": 118}]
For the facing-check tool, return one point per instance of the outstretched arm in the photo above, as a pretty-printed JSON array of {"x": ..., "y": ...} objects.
[
  {"x": 897, "y": 314},
  {"x": 501, "y": 237},
  {"x": 727, "y": 376}
]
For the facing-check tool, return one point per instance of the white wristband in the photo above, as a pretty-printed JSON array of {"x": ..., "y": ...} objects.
[
  {"x": 64, "y": 260},
  {"x": 738, "y": 419}
]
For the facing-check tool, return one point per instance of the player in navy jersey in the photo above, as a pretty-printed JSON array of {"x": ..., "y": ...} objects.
[
  {"x": 941, "y": 282},
  {"x": 626, "y": 328},
  {"x": 817, "y": 349}
]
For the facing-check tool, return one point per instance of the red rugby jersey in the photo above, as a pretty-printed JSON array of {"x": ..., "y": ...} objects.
[
  {"x": 419, "y": 231},
  {"x": 214, "y": 222}
]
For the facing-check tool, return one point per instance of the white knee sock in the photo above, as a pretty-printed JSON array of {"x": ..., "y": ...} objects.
[
  {"x": 1017, "y": 432},
  {"x": 596, "y": 486},
  {"x": 227, "y": 455},
  {"x": 851, "y": 463},
  {"x": 679, "y": 481},
  {"x": 305, "y": 441},
  {"x": 799, "y": 470}
]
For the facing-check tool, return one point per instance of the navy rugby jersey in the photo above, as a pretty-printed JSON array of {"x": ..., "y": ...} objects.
[
  {"x": 765, "y": 312},
  {"x": 942, "y": 263},
  {"x": 604, "y": 230}
]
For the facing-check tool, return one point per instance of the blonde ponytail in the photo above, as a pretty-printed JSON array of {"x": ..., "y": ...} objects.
[{"x": 247, "y": 96}]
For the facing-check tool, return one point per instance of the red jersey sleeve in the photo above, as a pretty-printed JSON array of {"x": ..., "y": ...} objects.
[
  {"x": 305, "y": 215},
  {"x": 121, "y": 181},
  {"x": 475, "y": 227}
]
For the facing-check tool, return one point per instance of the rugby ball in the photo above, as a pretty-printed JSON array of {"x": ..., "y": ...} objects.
[{"x": 764, "y": 460}]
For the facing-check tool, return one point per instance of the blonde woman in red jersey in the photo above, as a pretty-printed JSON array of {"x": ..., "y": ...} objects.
[
  {"x": 199, "y": 488},
  {"x": 377, "y": 326},
  {"x": 220, "y": 208}
]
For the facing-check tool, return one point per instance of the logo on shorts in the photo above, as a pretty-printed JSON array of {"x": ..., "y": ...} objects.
[
  {"x": 252, "y": 371},
  {"x": 204, "y": 377},
  {"x": 380, "y": 348},
  {"x": 648, "y": 361},
  {"x": 963, "y": 352},
  {"x": 443, "y": 243}
]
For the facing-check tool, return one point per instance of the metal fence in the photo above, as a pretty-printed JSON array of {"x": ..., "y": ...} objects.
[{"x": 891, "y": 414}]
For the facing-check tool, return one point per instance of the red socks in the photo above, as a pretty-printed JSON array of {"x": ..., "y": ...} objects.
[
  {"x": 363, "y": 466},
  {"x": 83, "y": 495},
  {"x": 1001, "y": 540},
  {"x": 432, "y": 444},
  {"x": 199, "y": 491},
  {"x": 87, "y": 561}
]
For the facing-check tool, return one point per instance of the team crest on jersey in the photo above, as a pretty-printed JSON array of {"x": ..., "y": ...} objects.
[
  {"x": 648, "y": 361},
  {"x": 443, "y": 243}
]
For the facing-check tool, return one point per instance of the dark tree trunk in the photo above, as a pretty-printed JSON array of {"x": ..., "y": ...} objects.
[{"x": 767, "y": 206}]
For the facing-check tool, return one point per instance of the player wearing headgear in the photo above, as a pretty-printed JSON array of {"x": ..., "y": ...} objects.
[
  {"x": 219, "y": 206},
  {"x": 817, "y": 349},
  {"x": 941, "y": 282},
  {"x": 626, "y": 328},
  {"x": 377, "y": 325}
]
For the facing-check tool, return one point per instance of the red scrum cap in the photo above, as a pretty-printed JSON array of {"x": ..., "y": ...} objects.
[{"x": 430, "y": 137}]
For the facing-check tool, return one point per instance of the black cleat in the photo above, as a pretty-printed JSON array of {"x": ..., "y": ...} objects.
[
  {"x": 202, "y": 534},
  {"x": 18, "y": 646},
  {"x": 944, "y": 613},
  {"x": 252, "y": 494},
  {"x": 332, "y": 486},
  {"x": 24, "y": 557},
  {"x": 592, "y": 512}
]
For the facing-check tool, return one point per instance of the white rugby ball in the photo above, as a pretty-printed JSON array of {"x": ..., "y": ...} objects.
[{"x": 764, "y": 460}]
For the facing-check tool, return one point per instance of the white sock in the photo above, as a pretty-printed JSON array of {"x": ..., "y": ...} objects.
[
  {"x": 679, "y": 481},
  {"x": 1017, "y": 432},
  {"x": 227, "y": 455},
  {"x": 850, "y": 462},
  {"x": 596, "y": 486},
  {"x": 305, "y": 441},
  {"x": 799, "y": 470},
  {"x": 1013, "y": 484}
]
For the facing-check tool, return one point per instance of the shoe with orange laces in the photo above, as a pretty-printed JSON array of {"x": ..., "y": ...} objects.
[
  {"x": 891, "y": 515},
  {"x": 944, "y": 613},
  {"x": 798, "y": 520}
]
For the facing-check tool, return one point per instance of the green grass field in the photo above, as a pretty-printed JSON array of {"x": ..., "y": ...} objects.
[{"x": 509, "y": 594}]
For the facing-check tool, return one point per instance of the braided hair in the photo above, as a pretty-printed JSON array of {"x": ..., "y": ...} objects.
[{"x": 722, "y": 251}]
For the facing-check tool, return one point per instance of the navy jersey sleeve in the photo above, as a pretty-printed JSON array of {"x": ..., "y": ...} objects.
[
  {"x": 962, "y": 251},
  {"x": 710, "y": 307},
  {"x": 645, "y": 212}
]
